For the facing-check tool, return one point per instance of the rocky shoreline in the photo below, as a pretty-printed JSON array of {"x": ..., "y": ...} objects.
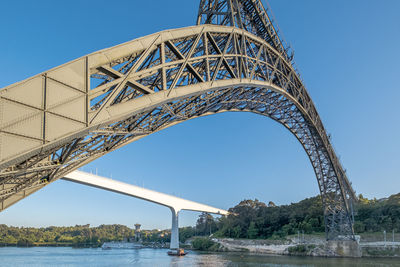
[
  {"x": 316, "y": 247},
  {"x": 274, "y": 247}
]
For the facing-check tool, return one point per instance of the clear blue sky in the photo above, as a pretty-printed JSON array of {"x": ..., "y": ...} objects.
[{"x": 346, "y": 51}]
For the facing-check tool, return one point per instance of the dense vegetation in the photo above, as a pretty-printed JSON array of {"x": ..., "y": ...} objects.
[
  {"x": 255, "y": 219},
  {"x": 248, "y": 219},
  {"x": 205, "y": 244},
  {"x": 79, "y": 235},
  {"x": 378, "y": 215}
]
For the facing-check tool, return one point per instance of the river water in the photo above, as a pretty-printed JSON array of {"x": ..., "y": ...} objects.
[{"x": 65, "y": 256}]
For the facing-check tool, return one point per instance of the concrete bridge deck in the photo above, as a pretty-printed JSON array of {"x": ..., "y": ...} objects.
[{"x": 176, "y": 204}]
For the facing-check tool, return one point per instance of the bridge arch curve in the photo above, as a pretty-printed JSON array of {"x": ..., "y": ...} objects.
[{"x": 93, "y": 105}]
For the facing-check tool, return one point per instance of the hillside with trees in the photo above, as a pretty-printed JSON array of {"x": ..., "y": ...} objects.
[
  {"x": 249, "y": 219},
  {"x": 79, "y": 235},
  {"x": 255, "y": 219}
]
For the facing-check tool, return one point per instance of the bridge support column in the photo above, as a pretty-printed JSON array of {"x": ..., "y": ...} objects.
[
  {"x": 344, "y": 248},
  {"x": 174, "y": 244}
]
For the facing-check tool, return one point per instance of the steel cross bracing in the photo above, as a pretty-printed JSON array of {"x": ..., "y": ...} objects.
[
  {"x": 60, "y": 120},
  {"x": 245, "y": 14}
]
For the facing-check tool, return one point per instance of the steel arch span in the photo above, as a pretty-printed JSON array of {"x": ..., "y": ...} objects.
[{"x": 233, "y": 60}]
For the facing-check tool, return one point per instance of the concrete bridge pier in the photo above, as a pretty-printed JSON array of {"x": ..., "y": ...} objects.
[
  {"x": 175, "y": 204},
  {"x": 174, "y": 244},
  {"x": 344, "y": 248}
]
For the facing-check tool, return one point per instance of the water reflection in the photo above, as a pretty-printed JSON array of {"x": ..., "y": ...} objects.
[{"x": 48, "y": 256}]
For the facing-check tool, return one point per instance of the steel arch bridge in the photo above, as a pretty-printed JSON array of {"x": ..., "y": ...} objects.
[{"x": 233, "y": 60}]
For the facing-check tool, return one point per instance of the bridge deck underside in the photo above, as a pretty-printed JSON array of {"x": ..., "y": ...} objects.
[{"x": 146, "y": 85}]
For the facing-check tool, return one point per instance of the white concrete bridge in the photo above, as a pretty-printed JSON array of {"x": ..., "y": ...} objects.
[{"x": 176, "y": 204}]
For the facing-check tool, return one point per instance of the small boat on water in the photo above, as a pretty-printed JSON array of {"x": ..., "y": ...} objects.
[{"x": 177, "y": 252}]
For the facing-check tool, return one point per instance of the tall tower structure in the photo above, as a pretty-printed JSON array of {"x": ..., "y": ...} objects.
[{"x": 138, "y": 236}]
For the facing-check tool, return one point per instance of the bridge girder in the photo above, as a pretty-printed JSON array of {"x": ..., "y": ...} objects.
[{"x": 75, "y": 113}]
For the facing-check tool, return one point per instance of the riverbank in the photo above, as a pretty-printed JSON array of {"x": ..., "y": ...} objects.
[
  {"x": 276, "y": 247},
  {"x": 310, "y": 245}
]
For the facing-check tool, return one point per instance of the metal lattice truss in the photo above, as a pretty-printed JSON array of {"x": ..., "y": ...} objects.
[
  {"x": 62, "y": 119},
  {"x": 245, "y": 14}
]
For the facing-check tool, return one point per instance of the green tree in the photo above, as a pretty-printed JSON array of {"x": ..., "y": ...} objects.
[
  {"x": 252, "y": 231},
  {"x": 205, "y": 224}
]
